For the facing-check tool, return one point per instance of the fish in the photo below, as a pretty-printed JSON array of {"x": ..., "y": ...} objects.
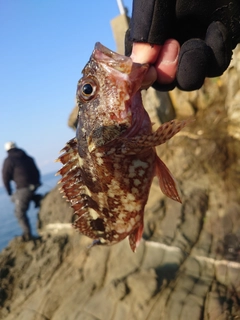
[{"x": 108, "y": 167}]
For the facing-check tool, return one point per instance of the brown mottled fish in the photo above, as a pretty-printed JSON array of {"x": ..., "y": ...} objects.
[{"x": 109, "y": 167}]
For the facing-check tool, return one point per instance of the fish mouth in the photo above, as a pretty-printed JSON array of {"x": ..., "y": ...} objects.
[
  {"x": 119, "y": 62},
  {"x": 126, "y": 75}
]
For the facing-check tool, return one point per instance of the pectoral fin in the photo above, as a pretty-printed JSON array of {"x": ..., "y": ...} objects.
[{"x": 134, "y": 145}]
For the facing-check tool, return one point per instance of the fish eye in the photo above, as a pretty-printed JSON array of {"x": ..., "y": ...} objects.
[{"x": 87, "y": 89}]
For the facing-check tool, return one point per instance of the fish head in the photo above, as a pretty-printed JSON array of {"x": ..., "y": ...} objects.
[{"x": 104, "y": 96}]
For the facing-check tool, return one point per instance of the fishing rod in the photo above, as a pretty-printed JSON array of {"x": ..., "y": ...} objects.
[{"x": 121, "y": 7}]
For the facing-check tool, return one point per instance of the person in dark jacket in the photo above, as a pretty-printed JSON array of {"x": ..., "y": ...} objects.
[
  {"x": 21, "y": 168},
  {"x": 184, "y": 41}
]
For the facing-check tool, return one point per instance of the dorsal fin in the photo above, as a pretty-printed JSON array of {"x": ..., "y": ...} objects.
[{"x": 71, "y": 181}]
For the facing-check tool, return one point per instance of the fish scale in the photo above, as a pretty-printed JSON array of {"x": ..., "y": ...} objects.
[{"x": 109, "y": 166}]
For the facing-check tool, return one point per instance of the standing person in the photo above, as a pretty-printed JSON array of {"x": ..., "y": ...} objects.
[{"x": 21, "y": 168}]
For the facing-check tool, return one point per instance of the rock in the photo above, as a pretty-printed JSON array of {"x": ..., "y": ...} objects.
[{"x": 54, "y": 209}]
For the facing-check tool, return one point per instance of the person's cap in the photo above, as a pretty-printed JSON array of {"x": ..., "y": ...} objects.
[{"x": 9, "y": 145}]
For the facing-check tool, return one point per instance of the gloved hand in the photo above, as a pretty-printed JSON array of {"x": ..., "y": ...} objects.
[{"x": 207, "y": 31}]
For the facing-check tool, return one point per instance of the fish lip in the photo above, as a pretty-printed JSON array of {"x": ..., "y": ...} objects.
[
  {"x": 111, "y": 59},
  {"x": 117, "y": 61},
  {"x": 111, "y": 54}
]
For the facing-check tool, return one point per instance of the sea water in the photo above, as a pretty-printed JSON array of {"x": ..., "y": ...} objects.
[{"x": 9, "y": 227}]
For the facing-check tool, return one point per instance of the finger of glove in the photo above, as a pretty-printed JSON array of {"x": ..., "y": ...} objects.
[
  {"x": 234, "y": 14},
  {"x": 164, "y": 87},
  {"x": 128, "y": 44},
  {"x": 202, "y": 10},
  {"x": 153, "y": 21},
  {"x": 193, "y": 64},
  {"x": 219, "y": 40},
  {"x": 194, "y": 17}
]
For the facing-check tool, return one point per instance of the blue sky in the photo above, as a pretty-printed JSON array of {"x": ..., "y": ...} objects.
[{"x": 44, "y": 47}]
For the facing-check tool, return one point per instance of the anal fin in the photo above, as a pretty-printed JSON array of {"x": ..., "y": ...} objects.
[{"x": 166, "y": 181}]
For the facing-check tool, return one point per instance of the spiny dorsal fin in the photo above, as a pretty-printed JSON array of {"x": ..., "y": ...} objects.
[{"x": 71, "y": 181}]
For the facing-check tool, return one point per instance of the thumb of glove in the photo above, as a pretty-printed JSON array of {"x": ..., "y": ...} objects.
[
  {"x": 193, "y": 63},
  {"x": 219, "y": 40}
]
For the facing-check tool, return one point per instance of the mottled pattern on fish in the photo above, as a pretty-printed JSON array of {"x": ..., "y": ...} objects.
[{"x": 108, "y": 168}]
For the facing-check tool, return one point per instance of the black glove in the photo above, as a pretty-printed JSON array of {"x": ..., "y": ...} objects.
[{"x": 207, "y": 30}]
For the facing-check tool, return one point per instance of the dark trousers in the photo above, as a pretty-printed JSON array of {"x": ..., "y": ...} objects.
[{"x": 21, "y": 199}]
